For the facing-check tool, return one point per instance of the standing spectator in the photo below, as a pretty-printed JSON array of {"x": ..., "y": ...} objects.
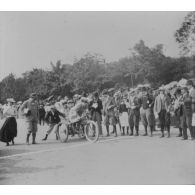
[
  {"x": 96, "y": 107},
  {"x": 191, "y": 88},
  {"x": 187, "y": 114},
  {"x": 109, "y": 112},
  {"x": 118, "y": 98},
  {"x": 168, "y": 107},
  {"x": 123, "y": 110},
  {"x": 134, "y": 113},
  {"x": 178, "y": 110},
  {"x": 41, "y": 115},
  {"x": 160, "y": 109},
  {"x": 147, "y": 116},
  {"x": 31, "y": 111}
]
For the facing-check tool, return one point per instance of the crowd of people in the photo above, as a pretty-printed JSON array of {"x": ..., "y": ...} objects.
[{"x": 173, "y": 104}]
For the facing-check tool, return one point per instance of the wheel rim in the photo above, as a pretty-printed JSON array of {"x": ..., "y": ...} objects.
[
  {"x": 91, "y": 132},
  {"x": 63, "y": 133}
]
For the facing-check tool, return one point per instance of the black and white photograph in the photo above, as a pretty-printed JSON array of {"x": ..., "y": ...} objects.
[{"x": 97, "y": 97}]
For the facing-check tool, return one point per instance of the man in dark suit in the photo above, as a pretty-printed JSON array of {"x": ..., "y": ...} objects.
[{"x": 96, "y": 107}]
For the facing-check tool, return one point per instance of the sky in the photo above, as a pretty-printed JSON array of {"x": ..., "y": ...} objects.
[{"x": 33, "y": 39}]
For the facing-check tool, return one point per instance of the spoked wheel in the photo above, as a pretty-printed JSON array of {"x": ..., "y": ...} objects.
[
  {"x": 91, "y": 131},
  {"x": 63, "y": 133}
]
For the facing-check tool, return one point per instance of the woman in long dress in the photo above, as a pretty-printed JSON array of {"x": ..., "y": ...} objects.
[{"x": 8, "y": 126}]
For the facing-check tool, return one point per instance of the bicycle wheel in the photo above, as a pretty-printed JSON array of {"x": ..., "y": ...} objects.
[
  {"x": 91, "y": 131},
  {"x": 63, "y": 133}
]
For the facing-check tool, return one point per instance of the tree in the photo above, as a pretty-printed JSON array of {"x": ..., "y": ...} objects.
[{"x": 185, "y": 35}]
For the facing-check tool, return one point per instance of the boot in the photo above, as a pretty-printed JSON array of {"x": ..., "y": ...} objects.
[
  {"x": 127, "y": 130},
  {"x": 137, "y": 131},
  {"x": 7, "y": 143},
  {"x": 57, "y": 138},
  {"x": 27, "y": 138},
  {"x": 180, "y": 132},
  {"x": 168, "y": 130},
  {"x": 33, "y": 138},
  {"x": 44, "y": 139},
  {"x": 13, "y": 142},
  {"x": 131, "y": 132},
  {"x": 107, "y": 129},
  {"x": 123, "y": 131},
  {"x": 115, "y": 132},
  {"x": 162, "y": 134},
  {"x": 151, "y": 131},
  {"x": 146, "y": 132}
]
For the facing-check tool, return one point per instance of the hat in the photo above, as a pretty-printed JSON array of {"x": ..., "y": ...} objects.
[
  {"x": 19, "y": 102},
  {"x": 162, "y": 88},
  {"x": 33, "y": 95},
  {"x": 11, "y": 100},
  {"x": 105, "y": 91},
  {"x": 178, "y": 91},
  {"x": 52, "y": 107},
  {"x": 84, "y": 99},
  {"x": 110, "y": 90},
  {"x": 70, "y": 101},
  {"x": 117, "y": 94},
  {"x": 63, "y": 101},
  {"x": 189, "y": 82},
  {"x": 50, "y": 98},
  {"x": 96, "y": 94}
]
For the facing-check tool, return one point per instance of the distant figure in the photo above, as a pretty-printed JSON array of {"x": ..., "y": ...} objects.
[{"x": 41, "y": 115}]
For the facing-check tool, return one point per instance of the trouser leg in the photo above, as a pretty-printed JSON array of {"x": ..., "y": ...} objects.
[
  {"x": 189, "y": 125},
  {"x": 51, "y": 127},
  {"x": 114, "y": 130},
  {"x": 123, "y": 128},
  {"x": 27, "y": 138},
  {"x": 33, "y": 138},
  {"x": 136, "y": 121},
  {"x": 131, "y": 122},
  {"x": 144, "y": 120},
  {"x": 162, "y": 121},
  {"x": 107, "y": 129},
  {"x": 99, "y": 123},
  {"x": 168, "y": 130}
]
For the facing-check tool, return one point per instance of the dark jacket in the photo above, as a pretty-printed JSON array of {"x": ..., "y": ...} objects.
[
  {"x": 98, "y": 108},
  {"x": 42, "y": 113},
  {"x": 147, "y": 102},
  {"x": 123, "y": 108},
  {"x": 53, "y": 117}
]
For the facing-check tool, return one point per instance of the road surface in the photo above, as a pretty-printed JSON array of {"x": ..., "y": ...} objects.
[{"x": 121, "y": 160}]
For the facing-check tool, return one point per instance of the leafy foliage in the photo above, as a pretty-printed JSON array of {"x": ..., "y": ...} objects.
[
  {"x": 185, "y": 35},
  {"x": 91, "y": 73}
]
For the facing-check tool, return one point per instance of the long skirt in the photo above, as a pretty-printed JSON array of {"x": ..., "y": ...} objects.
[
  {"x": 8, "y": 129},
  {"x": 124, "y": 119}
]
